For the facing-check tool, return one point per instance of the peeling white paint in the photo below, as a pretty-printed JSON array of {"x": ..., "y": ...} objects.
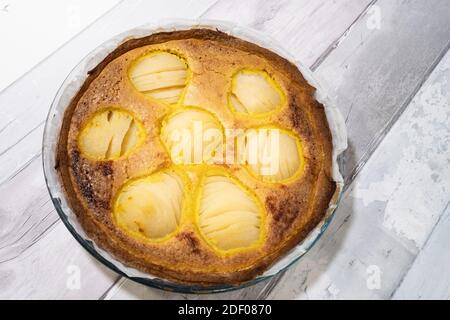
[{"x": 417, "y": 188}]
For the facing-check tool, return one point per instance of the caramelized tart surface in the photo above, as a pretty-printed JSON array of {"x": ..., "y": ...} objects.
[{"x": 144, "y": 191}]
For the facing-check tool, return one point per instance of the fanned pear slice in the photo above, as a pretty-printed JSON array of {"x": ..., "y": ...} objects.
[
  {"x": 271, "y": 154},
  {"x": 254, "y": 92},
  {"x": 229, "y": 215},
  {"x": 151, "y": 206},
  {"x": 110, "y": 134},
  {"x": 193, "y": 136},
  {"x": 160, "y": 75}
]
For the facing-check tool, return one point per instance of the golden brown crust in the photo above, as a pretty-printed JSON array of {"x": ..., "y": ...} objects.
[{"x": 293, "y": 209}]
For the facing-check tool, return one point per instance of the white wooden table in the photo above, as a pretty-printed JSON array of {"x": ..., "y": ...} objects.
[{"x": 387, "y": 65}]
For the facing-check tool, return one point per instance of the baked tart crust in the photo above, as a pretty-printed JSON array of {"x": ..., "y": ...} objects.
[{"x": 202, "y": 223}]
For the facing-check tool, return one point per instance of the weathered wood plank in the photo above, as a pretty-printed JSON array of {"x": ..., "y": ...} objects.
[
  {"x": 428, "y": 276},
  {"x": 389, "y": 212},
  {"x": 35, "y": 21},
  {"x": 377, "y": 67},
  {"x": 306, "y": 28},
  {"x": 26, "y": 211},
  {"x": 56, "y": 267},
  {"x": 129, "y": 290}
]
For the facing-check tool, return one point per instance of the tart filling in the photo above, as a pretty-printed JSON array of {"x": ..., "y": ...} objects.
[{"x": 196, "y": 156}]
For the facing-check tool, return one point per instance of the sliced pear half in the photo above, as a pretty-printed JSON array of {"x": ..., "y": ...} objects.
[
  {"x": 271, "y": 154},
  {"x": 229, "y": 216},
  {"x": 254, "y": 92},
  {"x": 160, "y": 75},
  {"x": 110, "y": 134},
  {"x": 150, "y": 206},
  {"x": 193, "y": 136}
]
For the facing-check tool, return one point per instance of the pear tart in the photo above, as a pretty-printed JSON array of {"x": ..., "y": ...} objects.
[{"x": 217, "y": 212}]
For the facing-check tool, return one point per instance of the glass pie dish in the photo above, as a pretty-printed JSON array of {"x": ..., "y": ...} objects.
[{"x": 73, "y": 83}]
